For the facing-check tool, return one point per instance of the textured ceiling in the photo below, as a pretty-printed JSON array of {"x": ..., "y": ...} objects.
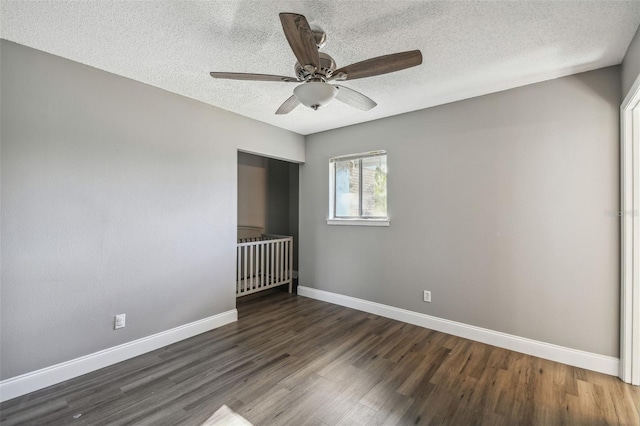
[{"x": 469, "y": 48}]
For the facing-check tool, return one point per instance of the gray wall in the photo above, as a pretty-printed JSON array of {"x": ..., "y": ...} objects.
[
  {"x": 117, "y": 197},
  {"x": 252, "y": 190},
  {"x": 497, "y": 205},
  {"x": 294, "y": 210},
  {"x": 631, "y": 64},
  {"x": 283, "y": 201},
  {"x": 278, "y": 197}
]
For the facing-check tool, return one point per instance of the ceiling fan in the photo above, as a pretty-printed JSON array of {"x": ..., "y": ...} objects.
[{"x": 315, "y": 70}]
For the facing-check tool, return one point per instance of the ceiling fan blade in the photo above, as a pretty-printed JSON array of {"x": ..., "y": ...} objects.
[
  {"x": 253, "y": 77},
  {"x": 301, "y": 39},
  {"x": 380, "y": 65},
  {"x": 354, "y": 99},
  {"x": 288, "y": 105}
]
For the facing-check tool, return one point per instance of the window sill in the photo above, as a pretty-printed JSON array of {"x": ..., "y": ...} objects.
[{"x": 358, "y": 222}]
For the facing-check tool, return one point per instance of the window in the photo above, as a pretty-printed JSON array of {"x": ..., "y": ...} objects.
[{"x": 358, "y": 189}]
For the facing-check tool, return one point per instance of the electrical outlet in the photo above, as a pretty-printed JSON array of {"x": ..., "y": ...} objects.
[
  {"x": 427, "y": 296},
  {"x": 119, "y": 321}
]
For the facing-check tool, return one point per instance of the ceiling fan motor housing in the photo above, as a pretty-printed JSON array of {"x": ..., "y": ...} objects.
[{"x": 327, "y": 66}]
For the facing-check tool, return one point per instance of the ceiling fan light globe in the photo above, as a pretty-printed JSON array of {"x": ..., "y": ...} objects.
[{"x": 315, "y": 94}]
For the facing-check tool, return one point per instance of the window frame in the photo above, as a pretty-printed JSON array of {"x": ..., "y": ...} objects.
[{"x": 360, "y": 220}]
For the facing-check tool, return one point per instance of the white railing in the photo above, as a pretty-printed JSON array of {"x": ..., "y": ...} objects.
[{"x": 263, "y": 262}]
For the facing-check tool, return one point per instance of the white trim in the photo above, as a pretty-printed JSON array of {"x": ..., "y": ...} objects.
[
  {"x": 590, "y": 361},
  {"x": 358, "y": 222},
  {"x": 30, "y": 382},
  {"x": 358, "y": 156},
  {"x": 631, "y": 99},
  {"x": 630, "y": 236}
]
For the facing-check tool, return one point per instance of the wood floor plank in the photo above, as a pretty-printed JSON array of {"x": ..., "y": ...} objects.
[
  {"x": 392, "y": 411},
  {"x": 358, "y": 415},
  {"x": 395, "y": 376},
  {"x": 294, "y": 360}
]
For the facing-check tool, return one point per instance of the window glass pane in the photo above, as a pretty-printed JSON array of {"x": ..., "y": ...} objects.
[
  {"x": 374, "y": 186},
  {"x": 347, "y": 188}
]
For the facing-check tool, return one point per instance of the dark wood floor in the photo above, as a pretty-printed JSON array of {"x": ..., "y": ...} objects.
[{"x": 295, "y": 361}]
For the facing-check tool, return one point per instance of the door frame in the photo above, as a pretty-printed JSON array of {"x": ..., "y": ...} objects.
[{"x": 630, "y": 236}]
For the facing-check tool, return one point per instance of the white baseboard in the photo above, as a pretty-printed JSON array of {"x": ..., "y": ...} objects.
[
  {"x": 30, "y": 382},
  {"x": 577, "y": 358}
]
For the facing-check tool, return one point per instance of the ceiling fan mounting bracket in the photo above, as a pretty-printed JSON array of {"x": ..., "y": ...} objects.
[
  {"x": 319, "y": 35},
  {"x": 341, "y": 76}
]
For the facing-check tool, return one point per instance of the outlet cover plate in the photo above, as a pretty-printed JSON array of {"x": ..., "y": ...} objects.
[{"x": 119, "y": 321}]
